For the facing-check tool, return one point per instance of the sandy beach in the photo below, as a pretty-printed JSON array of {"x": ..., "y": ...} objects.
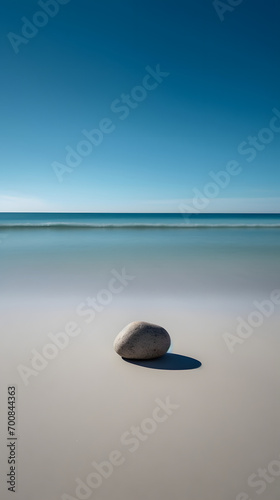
[
  {"x": 201, "y": 422},
  {"x": 86, "y": 403}
]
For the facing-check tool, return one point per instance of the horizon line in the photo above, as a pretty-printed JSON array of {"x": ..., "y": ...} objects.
[{"x": 141, "y": 213}]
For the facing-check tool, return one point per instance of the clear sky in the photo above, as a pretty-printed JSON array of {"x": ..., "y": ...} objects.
[{"x": 176, "y": 90}]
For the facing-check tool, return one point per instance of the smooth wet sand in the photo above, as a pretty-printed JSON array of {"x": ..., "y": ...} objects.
[{"x": 75, "y": 411}]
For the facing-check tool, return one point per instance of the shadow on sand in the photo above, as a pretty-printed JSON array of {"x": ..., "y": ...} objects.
[{"x": 169, "y": 361}]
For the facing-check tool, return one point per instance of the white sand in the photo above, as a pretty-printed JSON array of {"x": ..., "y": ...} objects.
[{"x": 75, "y": 411}]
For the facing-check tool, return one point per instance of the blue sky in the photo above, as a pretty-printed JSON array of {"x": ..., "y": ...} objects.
[{"x": 220, "y": 86}]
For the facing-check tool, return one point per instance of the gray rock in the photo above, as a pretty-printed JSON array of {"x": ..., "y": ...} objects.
[{"x": 140, "y": 340}]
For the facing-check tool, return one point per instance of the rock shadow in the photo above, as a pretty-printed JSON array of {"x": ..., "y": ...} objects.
[{"x": 169, "y": 361}]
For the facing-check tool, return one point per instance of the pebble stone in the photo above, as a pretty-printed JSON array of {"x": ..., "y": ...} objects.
[{"x": 141, "y": 340}]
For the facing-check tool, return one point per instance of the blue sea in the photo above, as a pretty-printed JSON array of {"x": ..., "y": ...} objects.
[{"x": 168, "y": 254}]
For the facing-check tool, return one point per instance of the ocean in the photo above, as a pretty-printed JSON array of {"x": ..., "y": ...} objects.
[{"x": 169, "y": 254}]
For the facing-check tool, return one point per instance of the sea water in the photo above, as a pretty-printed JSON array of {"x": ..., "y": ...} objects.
[{"x": 168, "y": 254}]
